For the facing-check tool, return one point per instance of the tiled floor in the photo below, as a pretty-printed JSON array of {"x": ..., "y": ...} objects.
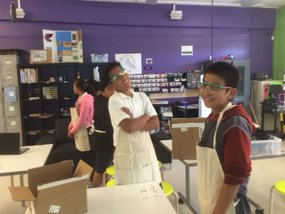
[{"x": 264, "y": 174}]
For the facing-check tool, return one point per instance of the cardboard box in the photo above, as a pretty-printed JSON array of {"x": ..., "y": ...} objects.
[
  {"x": 186, "y": 132},
  {"x": 55, "y": 189}
]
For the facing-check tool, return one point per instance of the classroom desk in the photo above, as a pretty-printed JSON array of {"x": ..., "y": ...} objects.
[
  {"x": 187, "y": 163},
  {"x": 144, "y": 198},
  {"x": 19, "y": 164},
  {"x": 190, "y": 163},
  {"x": 137, "y": 198}
]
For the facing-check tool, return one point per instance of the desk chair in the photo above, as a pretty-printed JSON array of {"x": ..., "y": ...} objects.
[
  {"x": 280, "y": 187},
  {"x": 109, "y": 173},
  {"x": 110, "y": 170}
]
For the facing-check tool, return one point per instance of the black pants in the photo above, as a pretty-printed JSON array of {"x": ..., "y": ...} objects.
[
  {"x": 242, "y": 206},
  {"x": 87, "y": 157}
]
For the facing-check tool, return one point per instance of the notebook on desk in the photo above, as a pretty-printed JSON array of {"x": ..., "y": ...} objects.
[{"x": 10, "y": 144}]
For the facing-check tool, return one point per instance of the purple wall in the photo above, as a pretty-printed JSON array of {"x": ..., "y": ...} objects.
[{"x": 132, "y": 28}]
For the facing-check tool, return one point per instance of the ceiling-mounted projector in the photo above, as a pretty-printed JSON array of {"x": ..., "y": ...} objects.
[
  {"x": 16, "y": 13},
  {"x": 20, "y": 13},
  {"x": 176, "y": 14}
]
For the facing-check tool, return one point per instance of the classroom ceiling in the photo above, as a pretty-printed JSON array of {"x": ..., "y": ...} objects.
[{"x": 228, "y": 3}]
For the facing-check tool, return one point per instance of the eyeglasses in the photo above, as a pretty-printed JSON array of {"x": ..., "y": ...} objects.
[
  {"x": 212, "y": 87},
  {"x": 117, "y": 75}
]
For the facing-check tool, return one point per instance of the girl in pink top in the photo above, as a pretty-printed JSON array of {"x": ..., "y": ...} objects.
[{"x": 85, "y": 110}]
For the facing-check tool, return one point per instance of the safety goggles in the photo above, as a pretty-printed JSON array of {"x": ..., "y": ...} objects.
[
  {"x": 212, "y": 87},
  {"x": 117, "y": 75}
]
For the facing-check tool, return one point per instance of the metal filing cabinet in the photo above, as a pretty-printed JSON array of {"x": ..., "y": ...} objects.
[{"x": 10, "y": 114}]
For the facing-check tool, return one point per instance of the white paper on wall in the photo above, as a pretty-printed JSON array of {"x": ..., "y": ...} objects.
[
  {"x": 187, "y": 50},
  {"x": 131, "y": 62}
]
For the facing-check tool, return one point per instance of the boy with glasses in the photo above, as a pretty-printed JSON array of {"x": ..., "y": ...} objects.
[
  {"x": 132, "y": 116},
  {"x": 223, "y": 154}
]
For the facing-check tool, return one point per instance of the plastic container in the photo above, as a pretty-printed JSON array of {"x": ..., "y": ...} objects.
[{"x": 266, "y": 147}]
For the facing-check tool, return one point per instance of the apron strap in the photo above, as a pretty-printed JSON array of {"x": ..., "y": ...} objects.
[{"x": 227, "y": 107}]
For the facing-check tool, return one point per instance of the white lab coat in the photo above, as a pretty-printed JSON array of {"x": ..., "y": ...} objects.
[{"x": 134, "y": 158}]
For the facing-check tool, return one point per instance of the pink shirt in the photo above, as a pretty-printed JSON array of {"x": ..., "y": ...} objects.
[{"x": 85, "y": 110}]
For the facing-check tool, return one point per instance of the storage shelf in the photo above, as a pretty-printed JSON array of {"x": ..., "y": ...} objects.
[
  {"x": 30, "y": 83},
  {"x": 33, "y": 132},
  {"x": 32, "y": 99},
  {"x": 49, "y": 131},
  {"x": 187, "y": 94},
  {"x": 38, "y": 132},
  {"x": 53, "y": 99},
  {"x": 47, "y": 115},
  {"x": 33, "y": 94}
]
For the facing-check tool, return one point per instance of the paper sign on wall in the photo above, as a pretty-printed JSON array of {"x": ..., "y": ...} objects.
[
  {"x": 132, "y": 62},
  {"x": 187, "y": 50}
]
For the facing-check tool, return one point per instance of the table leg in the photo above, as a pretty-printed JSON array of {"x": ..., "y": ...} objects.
[
  {"x": 22, "y": 184},
  {"x": 12, "y": 180},
  {"x": 21, "y": 180},
  {"x": 258, "y": 208},
  {"x": 187, "y": 177},
  {"x": 187, "y": 185},
  {"x": 275, "y": 120}
]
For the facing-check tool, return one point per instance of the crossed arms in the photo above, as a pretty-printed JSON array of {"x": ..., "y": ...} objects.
[{"x": 143, "y": 122}]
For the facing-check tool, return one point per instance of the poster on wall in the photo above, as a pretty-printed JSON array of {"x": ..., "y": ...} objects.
[
  {"x": 66, "y": 46},
  {"x": 131, "y": 62},
  {"x": 187, "y": 50}
]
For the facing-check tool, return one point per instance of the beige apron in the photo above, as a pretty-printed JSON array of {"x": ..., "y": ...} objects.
[
  {"x": 210, "y": 174},
  {"x": 135, "y": 159},
  {"x": 81, "y": 136}
]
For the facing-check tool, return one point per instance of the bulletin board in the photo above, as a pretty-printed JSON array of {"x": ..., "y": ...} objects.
[{"x": 66, "y": 46}]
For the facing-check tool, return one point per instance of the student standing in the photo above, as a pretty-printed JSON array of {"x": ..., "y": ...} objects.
[
  {"x": 78, "y": 129},
  {"x": 132, "y": 116},
  {"x": 223, "y": 154},
  {"x": 102, "y": 138}
]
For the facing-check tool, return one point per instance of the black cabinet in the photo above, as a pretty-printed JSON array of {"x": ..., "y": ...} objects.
[{"x": 46, "y": 93}]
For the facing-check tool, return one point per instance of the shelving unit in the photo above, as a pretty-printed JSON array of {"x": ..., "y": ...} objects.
[
  {"x": 47, "y": 94},
  {"x": 166, "y": 108},
  {"x": 159, "y": 83},
  {"x": 162, "y": 88}
]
